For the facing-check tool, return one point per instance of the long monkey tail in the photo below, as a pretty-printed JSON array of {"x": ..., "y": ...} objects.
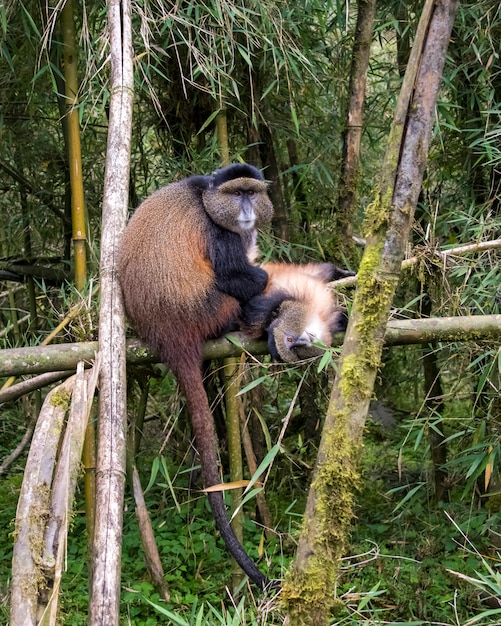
[{"x": 205, "y": 434}]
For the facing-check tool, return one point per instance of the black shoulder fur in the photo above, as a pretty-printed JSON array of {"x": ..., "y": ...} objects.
[
  {"x": 263, "y": 309},
  {"x": 235, "y": 276}
]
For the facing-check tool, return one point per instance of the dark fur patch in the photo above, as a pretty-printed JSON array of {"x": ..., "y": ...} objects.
[
  {"x": 262, "y": 310},
  {"x": 236, "y": 170},
  {"x": 272, "y": 344},
  {"x": 329, "y": 271},
  {"x": 338, "y": 273},
  {"x": 198, "y": 183},
  {"x": 235, "y": 276},
  {"x": 339, "y": 322}
]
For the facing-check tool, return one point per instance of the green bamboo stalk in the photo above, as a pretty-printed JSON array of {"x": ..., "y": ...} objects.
[
  {"x": 74, "y": 149},
  {"x": 232, "y": 400},
  {"x": 232, "y": 404}
]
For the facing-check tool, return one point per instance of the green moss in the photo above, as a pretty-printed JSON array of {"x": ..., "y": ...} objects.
[
  {"x": 309, "y": 591},
  {"x": 377, "y": 214},
  {"x": 354, "y": 382},
  {"x": 308, "y": 598},
  {"x": 61, "y": 398},
  {"x": 373, "y": 301}
]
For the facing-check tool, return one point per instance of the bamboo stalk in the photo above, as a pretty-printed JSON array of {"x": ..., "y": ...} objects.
[
  {"x": 104, "y": 603},
  {"x": 39, "y": 359},
  {"x": 70, "y": 57},
  {"x": 232, "y": 402}
]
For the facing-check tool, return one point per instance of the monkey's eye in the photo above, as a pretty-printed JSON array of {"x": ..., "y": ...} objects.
[
  {"x": 250, "y": 192},
  {"x": 237, "y": 193},
  {"x": 289, "y": 339}
]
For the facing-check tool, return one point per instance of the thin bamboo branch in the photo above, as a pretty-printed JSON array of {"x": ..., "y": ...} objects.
[
  {"x": 232, "y": 402},
  {"x": 16, "y": 453},
  {"x": 153, "y": 562},
  {"x": 442, "y": 256},
  {"x": 42, "y": 195},
  {"x": 264, "y": 511},
  {"x": 27, "y": 386}
]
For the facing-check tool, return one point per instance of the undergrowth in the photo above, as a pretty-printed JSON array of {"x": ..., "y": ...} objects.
[{"x": 407, "y": 562}]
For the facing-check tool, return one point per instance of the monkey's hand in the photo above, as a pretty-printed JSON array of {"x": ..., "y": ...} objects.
[
  {"x": 243, "y": 283},
  {"x": 259, "y": 312},
  {"x": 235, "y": 276}
]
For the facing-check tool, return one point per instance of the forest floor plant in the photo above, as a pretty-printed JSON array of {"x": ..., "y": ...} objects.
[{"x": 410, "y": 561}]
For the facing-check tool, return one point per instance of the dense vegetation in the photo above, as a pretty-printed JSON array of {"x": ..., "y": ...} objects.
[{"x": 425, "y": 544}]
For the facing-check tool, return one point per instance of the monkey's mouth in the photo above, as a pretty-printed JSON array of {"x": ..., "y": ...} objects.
[{"x": 246, "y": 224}]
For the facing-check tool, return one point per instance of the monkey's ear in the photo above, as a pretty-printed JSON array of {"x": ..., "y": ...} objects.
[
  {"x": 329, "y": 271},
  {"x": 325, "y": 271},
  {"x": 339, "y": 321},
  {"x": 338, "y": 273},
  {"x": 199, "y": 182}
]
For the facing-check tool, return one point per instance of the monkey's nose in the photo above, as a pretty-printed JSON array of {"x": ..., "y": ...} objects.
[{"x": 304, "y": 339}]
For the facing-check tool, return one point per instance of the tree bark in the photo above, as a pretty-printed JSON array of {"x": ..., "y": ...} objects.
[
  {"x": 308, "y": 591},
  {"x": 279, "y": 222},
  {"x": 33, "y": 508},
  {"x": 104, "y": 606},
  {"x": 352, "y": 136}
]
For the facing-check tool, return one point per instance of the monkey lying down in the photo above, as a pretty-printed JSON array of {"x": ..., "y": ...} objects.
[
  {"x": 296, "y": 310},
  {"x": 186, "y": 276}
]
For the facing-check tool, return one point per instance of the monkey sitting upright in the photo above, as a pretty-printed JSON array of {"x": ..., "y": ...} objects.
[
  {"x": 184, "y": 272},
  {"x": 296, "y": 310}
]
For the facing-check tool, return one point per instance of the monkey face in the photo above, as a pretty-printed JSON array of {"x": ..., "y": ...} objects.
[
  {"x": 293, "y": 333},
  {"x": 239, "y": 205}
]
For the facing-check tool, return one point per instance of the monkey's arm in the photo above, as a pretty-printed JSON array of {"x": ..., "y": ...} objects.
[
  {"x": 259, "y": 312},
  {"x": 235, "y": 276}
]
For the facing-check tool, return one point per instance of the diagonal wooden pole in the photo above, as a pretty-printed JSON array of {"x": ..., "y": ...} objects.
[{"x": 308, "y": 592}]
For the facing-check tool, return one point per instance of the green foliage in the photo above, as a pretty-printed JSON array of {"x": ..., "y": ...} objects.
[
  {"x": 409, "y": 560},
  {"x": 283, "y": 66},
  {"x": 409, "y": 545}
]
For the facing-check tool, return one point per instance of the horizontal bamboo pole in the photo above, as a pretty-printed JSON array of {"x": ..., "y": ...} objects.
[{"x": 38, "y": 359}]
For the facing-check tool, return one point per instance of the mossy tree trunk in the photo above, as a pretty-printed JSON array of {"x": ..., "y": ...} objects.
[{"x": 308, "y": 591}]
